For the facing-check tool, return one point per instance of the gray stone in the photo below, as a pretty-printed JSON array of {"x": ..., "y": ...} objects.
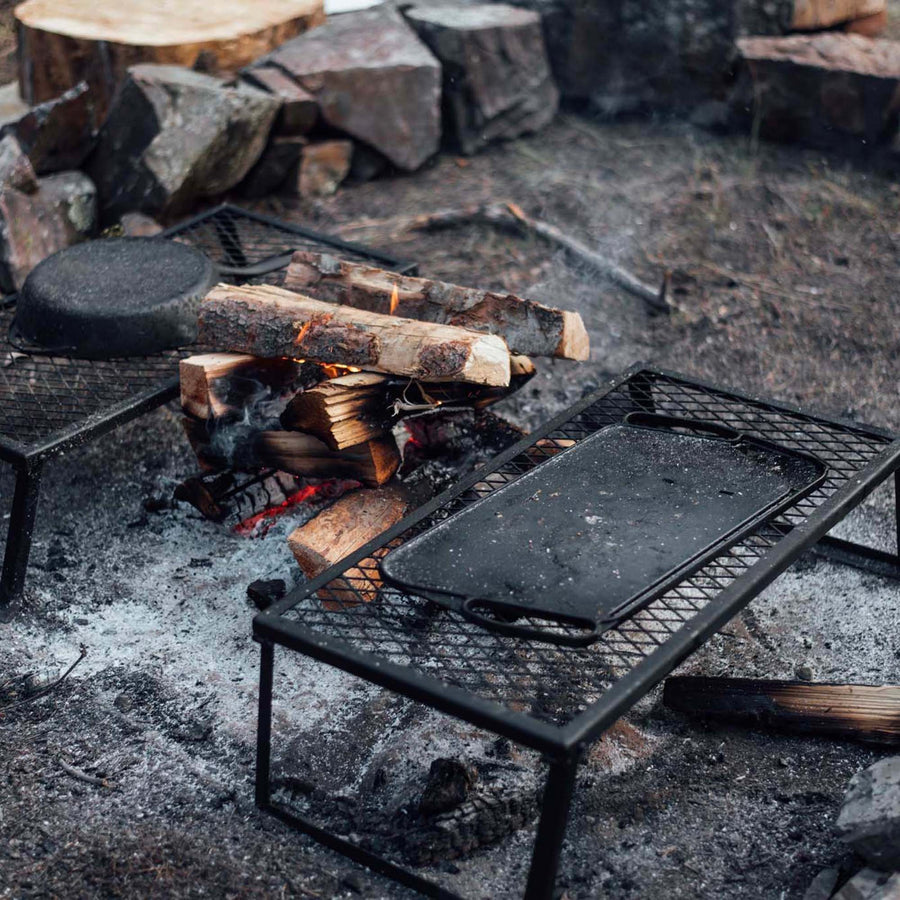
[
  {"x": 135, "y": 224},
  {"x": 497, "y": 81},
  {"x": 280, "y": 158},
  {"x": 828, "y": 89},
  {"x": 870, "y": 817},
  {"x": 61, "y": 212},
  {"x": 870, "y": 884},
  {"x": 626, "y": 53},
  {"x": 373, "y": 80},
  {"x": 823, "y": 885},
  {"x": 299, "y": 109},
  {"x": 173, "y": 136},
  {"x": 56, "y": 135},
  {"x": 16, "y": 170}
]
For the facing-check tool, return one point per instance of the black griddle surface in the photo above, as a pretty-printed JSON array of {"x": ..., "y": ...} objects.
[{"x": 593, "y": 533}]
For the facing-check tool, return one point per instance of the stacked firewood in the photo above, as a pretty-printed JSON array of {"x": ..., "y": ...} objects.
[{"x": 312, "y": 378}]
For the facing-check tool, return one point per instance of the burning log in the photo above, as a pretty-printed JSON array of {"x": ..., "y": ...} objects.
[
  {"x": 372, "y": 463},
  {"x": 526, "y": 326},
  {"x": 862, "y": 712},
  {"x": 343, "y": 411},
  {"x": 269, "y": 321},
  {"x": 215, "y": 385},
  {"x": 341, "y": 529}
]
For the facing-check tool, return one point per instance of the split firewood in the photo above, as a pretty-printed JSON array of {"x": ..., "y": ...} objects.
[
  {"x": 269, "y": 321},
  {"x": 340, "y": 530},
  {"x": 214, "y": 385},
  {"x": 867, "y": 713},
  {"x": 526, "y": 326},
  {"x": 342, "y": 411},
  {"x": 373, "y": 463}
]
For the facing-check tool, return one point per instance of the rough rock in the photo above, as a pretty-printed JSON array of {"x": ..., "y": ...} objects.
[
  {"x": 323, "y": 167},
  {"x": 449, "y": 783},
  {"x": 828, "y": 89},
  {"x": 299, "y": 109},
  {"x": 870, "y": 817},
  {"x": 135, "y": 224},
  {"x": 16, "y": 170},
  {"x": 373, "y": 80},
  {"x": 173, "y": 136},
  {"x": 61, "y": 212},
  {"x": 497, "y": 80},
  {"x": 869, "y": 26},
  {"x": 622, "y": 54},
  {"x": 280, "y": 158},
  {"x": 823, "y": 885},
  {"x": 57, "y": 134},
  {"x": 870, "y": 884}
]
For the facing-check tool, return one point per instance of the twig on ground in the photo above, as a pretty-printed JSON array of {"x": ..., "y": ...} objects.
[
  {"x": 50, "y": 687},
  {"x": 510, "y": 215},
  {"x": 82, "y": 775}
]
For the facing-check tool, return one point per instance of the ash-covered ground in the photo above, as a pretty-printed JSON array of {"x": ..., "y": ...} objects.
[{"x": 783, "y": 268}]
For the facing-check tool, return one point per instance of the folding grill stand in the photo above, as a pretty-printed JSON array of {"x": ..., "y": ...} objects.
[
  {"x": 369, "y": 640},
  {"x": 77, "y": 405}
]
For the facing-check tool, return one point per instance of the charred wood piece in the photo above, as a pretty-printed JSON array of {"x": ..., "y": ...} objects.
[{"x": 861, "y": 712}]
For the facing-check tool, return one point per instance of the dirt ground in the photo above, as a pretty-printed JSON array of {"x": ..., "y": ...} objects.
[{"x": 782, "y": 263}]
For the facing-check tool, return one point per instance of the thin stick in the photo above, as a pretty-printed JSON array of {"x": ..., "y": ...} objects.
[
  {"x": 83, "y": 776},
  {"x": 510, "y": 215},
  {"x": 50, "y": 687}
]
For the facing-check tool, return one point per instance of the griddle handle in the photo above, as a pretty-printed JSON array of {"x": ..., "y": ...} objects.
[
  {"x": 668, "y": 423},
  {"x": 592, "y": 630}
]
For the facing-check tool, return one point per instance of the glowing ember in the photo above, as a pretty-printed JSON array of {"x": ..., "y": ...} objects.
[
  {"x": 395, "y": 299},
  {"x": 258, "y": 525},
  {"x": 303, "y": 332},
  {"x": 333, "y": 370}
]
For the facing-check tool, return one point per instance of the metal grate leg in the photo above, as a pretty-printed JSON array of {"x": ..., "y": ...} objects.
[
  {"x": 859, "y": 556},
  {"x": 264, "y": 726},
  {"x": 551, "y": 829},
  {"x": 18, "y": 539}
]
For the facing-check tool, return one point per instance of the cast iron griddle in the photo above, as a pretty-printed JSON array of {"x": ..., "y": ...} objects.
[
  {"x": 114, "y": 297},
  {"x": 590, "y": 536}
]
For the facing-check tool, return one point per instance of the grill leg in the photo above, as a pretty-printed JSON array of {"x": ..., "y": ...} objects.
[
  {"x": 859, "y": 556},
  {"x": 551, "y": 829},
  {"x": 264, "y": 725},
  {"x": 18, "y": 540}
]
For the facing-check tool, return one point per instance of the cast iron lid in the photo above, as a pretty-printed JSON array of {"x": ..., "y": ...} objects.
[
  {"x": 594, "y": 534},
  {"x": 114, "y": 297}
]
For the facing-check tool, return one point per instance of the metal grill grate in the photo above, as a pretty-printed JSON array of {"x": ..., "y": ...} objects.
[
  {"x": 547, "y": 683},
  {"x": 45, "y": 401}
]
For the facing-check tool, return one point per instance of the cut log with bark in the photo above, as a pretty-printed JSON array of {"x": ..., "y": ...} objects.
[
  {"x": 373, "y": 463},
  {"x": 216, "y": 385},
  {"x": 62, "y": 42},
  {"x": 340, "y": 530},
  {"x": 342, "y": 411},
  {"x": 867, "y": 713},
  {"x": 269, "y": 321},
  {"x": 817, "y": 15},
  {"x": 527, "y": 327}
]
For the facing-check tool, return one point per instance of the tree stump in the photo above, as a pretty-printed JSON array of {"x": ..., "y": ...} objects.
[{"x": 63, "y": 42}]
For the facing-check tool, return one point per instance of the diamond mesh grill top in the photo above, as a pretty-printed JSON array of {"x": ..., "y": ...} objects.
[
  {"x": 43, "y": 397},
  {"x": 555, "y": 684}
]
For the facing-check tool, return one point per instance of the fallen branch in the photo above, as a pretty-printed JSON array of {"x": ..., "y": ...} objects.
[
  {"x": 511, "y": 215},
  {"x": 50, "y": 687},
  {"x": 83, "y": 776}
]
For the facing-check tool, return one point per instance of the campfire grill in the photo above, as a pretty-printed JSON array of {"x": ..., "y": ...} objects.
[
  {"x": 553, "y": 699},
  {"x": 49, "y": 404}
]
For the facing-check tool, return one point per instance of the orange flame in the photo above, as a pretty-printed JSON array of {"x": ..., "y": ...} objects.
[
  {"x": 395, "y": 300},
  {"x": 303, "y": 332}
]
